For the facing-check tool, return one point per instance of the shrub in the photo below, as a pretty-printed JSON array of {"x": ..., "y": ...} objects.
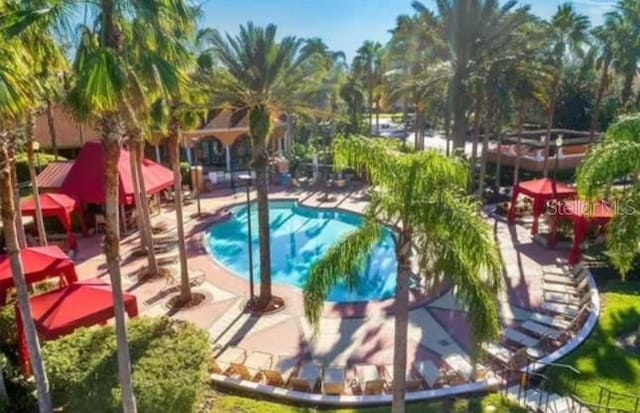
[
  {"x": 168, "y": 359},
  {"x": 185, "y": 171},
  {"x": 41, "y": 162}
]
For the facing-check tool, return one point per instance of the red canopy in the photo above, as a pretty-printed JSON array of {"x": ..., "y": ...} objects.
[
  {"x": 58, "y": 205},
  {"x": 542, "y": 191},
  {"x": 86, "y": 179},
  {"x": 60, "y": 312},
  {"x": 583, "y": 215},
  {"x": 38, "y": 264}
]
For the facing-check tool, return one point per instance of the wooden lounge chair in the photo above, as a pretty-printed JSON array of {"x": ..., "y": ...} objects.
[
  {"x": 281, "y": 372},
  {"x": 428, "y": 371},
  {"x": 519, "y": 338},
  {"x": 222, "y": 362},
  {"x": 251, "y": 367},
  {"x": 573, "y": 289},
  {"x": 567, "y": 278},
  {"x": 412, "y": 383},
  {"x": 540, "y": 330},
  {"x": 369, "y": 379},
  {"x": 499, "y": 353},
  {"x": 462, "y": 366},
  {"x": 567, "y": 309},
  {"x": 551, "y": 321},
  {"x": 564, "y": 270},
  {"x": 333, "y": 380},
  {"x": 307, "y": 377}
]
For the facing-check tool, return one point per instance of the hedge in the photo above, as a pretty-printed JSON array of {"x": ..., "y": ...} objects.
[{"x": 168, "y": 358}]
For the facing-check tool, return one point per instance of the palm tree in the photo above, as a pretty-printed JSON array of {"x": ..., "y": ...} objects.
[
  {"x": 267, "y": 78},
  {"x": 604, "y": 37},
  {"x": 100, "y": 94},
  {"x": 623, "y": 24},
  {"x": 568, "y": 32},
  {"x": 616, "y": 158},
  {"x": 424, "y": 192},
  {"x": 368, "y": 66},
  {"x": 18, "y": 90}
]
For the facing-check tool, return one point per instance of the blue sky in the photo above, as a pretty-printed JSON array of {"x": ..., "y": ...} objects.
[{"x": 345, "y": 24}]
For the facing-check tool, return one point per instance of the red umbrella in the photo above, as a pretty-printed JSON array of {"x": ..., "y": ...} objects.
[
  {"x": 542, "y": 191},
  {"x": 38, "y": 264},
  {"x": 59, "y": 312},
  {"x": 58, "y": 205},
  {"x": 583, "y": 215}
]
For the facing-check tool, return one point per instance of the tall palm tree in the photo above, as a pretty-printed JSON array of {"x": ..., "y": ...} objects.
[
  {"x": 267, "y": 78},
  {"x": 15, "y": 81},
  {"x": 604, "y": 37},
  {"x": 623, "y": 24},
  {"x": 369, "y": 67},
  {"x": 568, "y": 32},
  {"x": 100, "y": 94},
  {"x": 616, "y": 157},
  {"x": 424, "y": 192}
]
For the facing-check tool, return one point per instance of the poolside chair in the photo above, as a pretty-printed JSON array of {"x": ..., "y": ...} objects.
[
  {"x": 159, "y": 227},
  {"x": 281, "y": 372},
  {"x": 221, "y": 363},
  {"x": 369, "y": 379},
  {"x": 462, "y": 366},
  {"x": 541, "y": 330},
  {"x": 551, "y": 321},
  {"x": 428, "y": 371},
  {"x": 567, "y": 309},
  {"x": 307, "y": 377},
  {"x": 515, "y": 336},
  {"x": 333, "y": 380},
  {"x": 564, "y": 278},
  {"x": 573, "y": 289},
  {"x": 499, "y": 353},
  {"x": 564, "y": 270},
  {"x": 411, "y": 382},
  {"x": 252, "y": 366}
]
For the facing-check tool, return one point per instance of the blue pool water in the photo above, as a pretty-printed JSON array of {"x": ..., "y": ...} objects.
[{"x": 300, "y": 236}]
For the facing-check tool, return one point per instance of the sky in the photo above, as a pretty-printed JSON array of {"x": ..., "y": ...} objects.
[{"x": 345, "y": 24}]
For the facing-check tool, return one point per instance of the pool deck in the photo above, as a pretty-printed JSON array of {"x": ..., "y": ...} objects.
[{"x": 347, "y": 334}]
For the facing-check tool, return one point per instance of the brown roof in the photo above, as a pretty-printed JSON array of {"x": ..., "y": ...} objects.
[
  {"x": 221, "y": 119},
  {"x": 68, "y": 132},
  {"x": 52, "y": 177}
]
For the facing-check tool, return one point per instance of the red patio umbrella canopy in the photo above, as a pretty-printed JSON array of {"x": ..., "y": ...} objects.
[
  {"x": 38, "y": 264},
  {"x": 58, "y": 205},
  {"x": 85, "y": 181},
  {"x": 60, "y": 312},
  {"x": 542, "y": 191},
  {"x": 583, "y": 215}
]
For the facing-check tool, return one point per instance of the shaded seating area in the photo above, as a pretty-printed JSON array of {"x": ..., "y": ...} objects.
[
  {"x": 583, "y": 215},
  {"x": 541, "y": 191},
  {"x": 60, "y": 206},
  {"x": 39, "y": 263},
  {"x": 61, "y": 311}
]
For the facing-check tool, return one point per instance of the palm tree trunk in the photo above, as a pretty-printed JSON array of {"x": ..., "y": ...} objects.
[
  {"x": 458, "y": 108},
  {"x": 52, "y": 129},
  {"x": 370, "y": 112},
  {"x": 146, "y": 214},
  {"x": 174, "y": 151},
  {"x": 516, "y": 167},
  {"x": 42, "y": 234},
  {"x": 602, "y": 86},
  {"x": 627, "y": 86},
  {"x": 112, "y": 131},
  {"x": 378, "y": 115},
  {"x": 419, "y": 128},
  {"x": 19, "y": 226},
  {"x": 499, "y": 159},
  {"x": 447, "y": 125},
  {"x": 8, "y": 223},
  {"x": 401, "y": 321},
  {"x": 136, "y": 190},
  {"x": 491, "y": 110},
  {"x": 551, "y": 114},
  {"x": 476, "y": 137}
]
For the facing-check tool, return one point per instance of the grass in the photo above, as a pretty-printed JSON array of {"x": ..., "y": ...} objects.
[
  {"x": 600, "y": 361},
  {"x": 235, "y": 404}
]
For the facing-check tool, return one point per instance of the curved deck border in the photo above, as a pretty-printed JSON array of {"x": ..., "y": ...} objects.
[{"x": 310, "y": 399}]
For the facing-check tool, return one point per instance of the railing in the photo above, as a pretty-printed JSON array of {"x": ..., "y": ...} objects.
[{"x": 607, "y": 396}]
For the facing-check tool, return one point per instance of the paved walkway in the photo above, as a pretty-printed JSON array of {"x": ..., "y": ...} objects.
[{"x": 347, "y": 334}]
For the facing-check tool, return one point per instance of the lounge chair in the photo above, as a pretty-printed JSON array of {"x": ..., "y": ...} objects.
[
  {"x": 411, "y": 382},
  {"x": 222, "y": 362},
  {"x": 333, "y": 380},
  {"x": 567, "y": 278},
  {"x": 369, "y": 379},
  {"x": 499, "y": 353},
  {"x": 519, "y": 338},
  {"x": 551, "y": 321},
  {"x": 281, "y": 372},
  {"x": 564, "y": 270},
  {"x": 541, "y": 330},
  {"x": 428, "y": 371},
  {"x": 461, "y": 366},
  {"x": 251, "y": 367},
  {"x": 567, "y": 309},
  {"x": 307, "y": 377},
  {"x": 573, "y": 289}
]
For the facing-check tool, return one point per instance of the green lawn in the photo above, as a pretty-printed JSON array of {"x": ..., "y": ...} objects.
[
  {"x": 235, "y": 404},
  {"x": 600, "y": 361}
]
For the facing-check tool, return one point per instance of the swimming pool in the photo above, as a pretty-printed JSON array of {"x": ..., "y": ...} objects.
[{"x": 300, "y": 236}]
